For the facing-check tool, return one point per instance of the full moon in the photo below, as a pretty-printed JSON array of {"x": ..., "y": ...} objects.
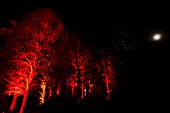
[{"x": 157, "y": 37}]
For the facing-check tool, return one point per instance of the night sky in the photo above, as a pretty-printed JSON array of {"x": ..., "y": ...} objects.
[
  {"x": 96, "y": 19},
  {"x": 146, "y": 67}
]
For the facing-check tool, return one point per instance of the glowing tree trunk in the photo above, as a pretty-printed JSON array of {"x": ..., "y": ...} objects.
[
  {"x": 58, "y": 90},
  {"x": 50, "y": 93},
  {"x": 90, "y": 87},
  {"x": 72, "y": 87},
  {"x": 107, "y": 87},
  {"x": 79, "y": 80},
  {"x": 15, "y": 96},
  {"x": 82, "y": 91},
  {"x": 72, "y": 91},
  {"x": 25, "y": 98},
  {"x": 85, "y": 92},
  {"x": 12, "y": 107},
  {"x": 18, "y": 84},
  {"x": 42, "y": 97},
  {"x": 28, "y": 81}
]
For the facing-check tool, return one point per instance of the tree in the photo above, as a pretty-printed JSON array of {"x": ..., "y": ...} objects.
[
  {"x": 80, "y": 57},
  {"x": 76, "y": 57},
  {"x": 30, "y": 43},
  {"x": 106, "y": 66},
  {"x": 63, "y": 66}
]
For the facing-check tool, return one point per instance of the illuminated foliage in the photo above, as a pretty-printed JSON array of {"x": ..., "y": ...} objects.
[
  {"x": 106, "y": 67},
  {"x": 39, "y": 65},
  {"x": 80, "y": 57},
  {"x": 29, "y": 44}
]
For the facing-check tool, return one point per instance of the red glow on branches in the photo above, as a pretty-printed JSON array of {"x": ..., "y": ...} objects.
[{"x": 29, "y": 43}]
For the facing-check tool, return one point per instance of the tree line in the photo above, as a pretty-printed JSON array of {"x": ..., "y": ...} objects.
[{"x": 41, "y": 58}]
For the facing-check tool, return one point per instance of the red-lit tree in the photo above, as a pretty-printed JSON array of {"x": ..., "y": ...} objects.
[
  {"x": 63, "y": 66},
  {"x": 30, "y": 44},
  {"x": 106, "y": 67},
  {"x": 92, "y": 78},
  {"x": 74, "y": 61},
  {"x": 80, "y": 56}
]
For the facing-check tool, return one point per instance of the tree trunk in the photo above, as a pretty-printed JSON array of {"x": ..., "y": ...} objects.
[
  {"x": 85, "y": 92},
  {"x": 82, "y": 90},
  {"x": 89, "y": 88},
  {"x": 24, "y": 101},
  {"x": 50, "y": 93},
  {"x": 79, "y": 83},
  {"x": 43, "y": 87},
  {"x": 12, "y": 107},
  {"x": 58, "y": 91},
  {"x": 25, "y": 97},
  {"x": 108, "y": 89},
  {"x": 72, "y": 91}
]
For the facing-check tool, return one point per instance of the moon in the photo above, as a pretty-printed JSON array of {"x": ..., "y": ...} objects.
[{"x": 157, "y": 37}]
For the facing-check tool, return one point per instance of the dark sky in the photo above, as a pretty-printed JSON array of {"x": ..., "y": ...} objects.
[
  {"x": 94, "y": 17},
  {"x": 98, "y": 20}
]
